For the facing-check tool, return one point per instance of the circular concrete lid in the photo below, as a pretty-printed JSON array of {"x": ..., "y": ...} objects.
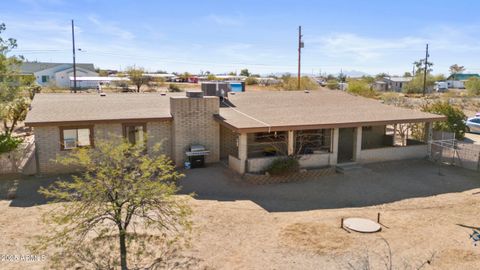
[{"x": 361, "y": 225}]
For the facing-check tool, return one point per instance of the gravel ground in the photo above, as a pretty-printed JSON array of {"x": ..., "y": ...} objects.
[{"x": 296, "y": 225}]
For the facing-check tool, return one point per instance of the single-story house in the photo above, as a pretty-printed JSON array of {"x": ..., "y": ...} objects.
[
  {"x": 247, "y": 130},
  {"x": 458, "y": 80},
  {"x": 92, "y": 82},
  {"x": 56, "y": 74},
  {"x": 392, "y": 83}
]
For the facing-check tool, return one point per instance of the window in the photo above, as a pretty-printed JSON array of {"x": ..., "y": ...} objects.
[
  {"x": 44, "y": 78},
  {"x": 135, "y": 133},
  {"x": 73, "y": 137},
  {"x": 313, "y": 141}
]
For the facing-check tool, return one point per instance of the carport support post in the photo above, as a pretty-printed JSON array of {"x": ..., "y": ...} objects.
[
  {"x": 242, "y": 151},
  {"x": 291, "y": 143},
  {"x": 358, "y": 143},
  {"x": 334, "y": 149},
  {"x": 428, "y": 137},
  {"x": 394, "y": 134}
]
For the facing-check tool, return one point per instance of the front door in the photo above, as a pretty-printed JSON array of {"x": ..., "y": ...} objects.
[{"x": 345, "y": 145}]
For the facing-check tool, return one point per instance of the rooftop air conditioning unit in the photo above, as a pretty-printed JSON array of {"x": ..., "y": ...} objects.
[{"x": 192, "y": 94}]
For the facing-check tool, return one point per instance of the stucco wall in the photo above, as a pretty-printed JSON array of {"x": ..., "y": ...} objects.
[
  {"x": 259, "y": 164},
  {"x": 193, "y": 123},
  {"x": 393, "y": 153},
  {"x": 315, "y": 160},
  {"x": 255, "y": 165},
  {"x": 235, "y": 164},
  {"x": 228, "y": 143}
]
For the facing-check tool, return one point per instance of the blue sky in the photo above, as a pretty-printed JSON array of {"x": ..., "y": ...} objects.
[{"x": 222, "y": 36}]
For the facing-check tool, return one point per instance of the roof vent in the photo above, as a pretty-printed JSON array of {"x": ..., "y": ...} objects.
[
  {"x": 192, "y": 94},
  {"x": 103, "y": 94}
]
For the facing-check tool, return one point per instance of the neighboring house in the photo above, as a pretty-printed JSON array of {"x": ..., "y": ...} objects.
[
  {"x": 322, "y": 127},
  {"x": 393, "y": 83},
  {"x": 458, "y": 80},
  {"x": 56, "y": 74},
  {"x": 167, "y": 77},
  {"x": 92, "y": 82},
  {"x": 380, "y": 86}
]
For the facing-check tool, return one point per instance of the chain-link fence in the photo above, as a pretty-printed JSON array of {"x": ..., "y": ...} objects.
[{"x": 444, "y": 148}]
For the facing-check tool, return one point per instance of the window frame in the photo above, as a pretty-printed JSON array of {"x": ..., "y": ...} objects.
[
  {"x": 135, "y": 124},
  {"x": 270, "y": 137},
  {"x": 62, "y": 139}
]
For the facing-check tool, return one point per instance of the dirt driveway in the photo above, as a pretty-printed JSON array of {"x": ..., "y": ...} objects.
[
  {"x": 372, "y": 185},
  {"x": 472, "y": 138},
  {"x": 237, "y": 225}
]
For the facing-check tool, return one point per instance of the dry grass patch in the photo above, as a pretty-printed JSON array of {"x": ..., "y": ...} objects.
[
  {"x": 317, "y": 237},
  {"x": 458, "y": 255}
]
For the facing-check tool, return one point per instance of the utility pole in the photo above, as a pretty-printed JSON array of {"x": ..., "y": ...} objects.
[
  {"x": 74, "y": 64},
  {"x": 300, "y": 46},
  {"x": 425, "y": 71}
]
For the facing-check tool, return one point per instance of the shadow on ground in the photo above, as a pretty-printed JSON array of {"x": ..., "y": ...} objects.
[
  {"x": 26, "y": 188},
  {"x": 374, "y": 184}
]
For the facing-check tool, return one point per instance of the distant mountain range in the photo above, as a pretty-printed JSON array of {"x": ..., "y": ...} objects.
[{"x": 348, "y": 73}]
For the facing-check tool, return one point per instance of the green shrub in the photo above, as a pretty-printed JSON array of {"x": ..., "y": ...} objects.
[
  {"x": 251, "y": 81},
  {"x": 473, "y": 86},
  {"x": 455, "y": 118},
  {"x": 360, "y": 88},
  {"x": 415, "y": 86},
  {"x": 174, "y": 88},
  {"x": 332, "y": 84},
  {"x": 8, "y": 143},
  {"x": 306, "y": 83},
  {"x": 283, "y": 165}
]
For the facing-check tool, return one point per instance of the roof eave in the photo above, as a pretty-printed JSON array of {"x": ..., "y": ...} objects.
[
  {"x": 252, "y": 129},
  {"x": 97, "y": 121}
]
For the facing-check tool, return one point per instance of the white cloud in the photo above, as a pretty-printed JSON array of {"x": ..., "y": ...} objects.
[
  {"x": 363, "y": 48},
  {"x": 110, "y": 28},
  {"x": 225, "y": 20}
]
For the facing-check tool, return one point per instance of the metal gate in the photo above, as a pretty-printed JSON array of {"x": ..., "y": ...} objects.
[{"x": 450, "y": 151}]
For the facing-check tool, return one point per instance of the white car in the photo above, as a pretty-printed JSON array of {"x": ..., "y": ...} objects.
[{"x": 473, "y": 124}]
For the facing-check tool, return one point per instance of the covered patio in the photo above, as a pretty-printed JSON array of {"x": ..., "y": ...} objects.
[
  {"x": 316, "y": 128},
  {"x": 317, "y": 148}
]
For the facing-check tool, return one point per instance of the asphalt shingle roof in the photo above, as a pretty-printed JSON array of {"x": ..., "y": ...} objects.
[
  {"x": 31, "y": 67},
  {"x": 247, "y": 110},
  {"x": 59, "y": 108},
  {"x": 328, "y": 108}
]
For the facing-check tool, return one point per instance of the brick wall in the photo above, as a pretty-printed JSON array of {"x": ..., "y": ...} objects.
[
  {"x": 193, "y": 123},
  {"x": 228, "y": 143},
  {"x": 108, "y": 131},
  {"x": 47, "y": 143},
  {"x": 160, "y": 132},
  {"x": 47, "y": 140}
]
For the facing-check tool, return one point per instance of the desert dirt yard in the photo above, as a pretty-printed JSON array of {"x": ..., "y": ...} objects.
[{"x": 425, "y": 211}]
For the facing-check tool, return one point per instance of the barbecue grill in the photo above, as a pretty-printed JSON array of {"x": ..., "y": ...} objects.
[{"x": 196, "y": 155}]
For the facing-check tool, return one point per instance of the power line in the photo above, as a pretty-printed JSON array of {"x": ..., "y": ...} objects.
[{"x": 74, "y": 64}]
